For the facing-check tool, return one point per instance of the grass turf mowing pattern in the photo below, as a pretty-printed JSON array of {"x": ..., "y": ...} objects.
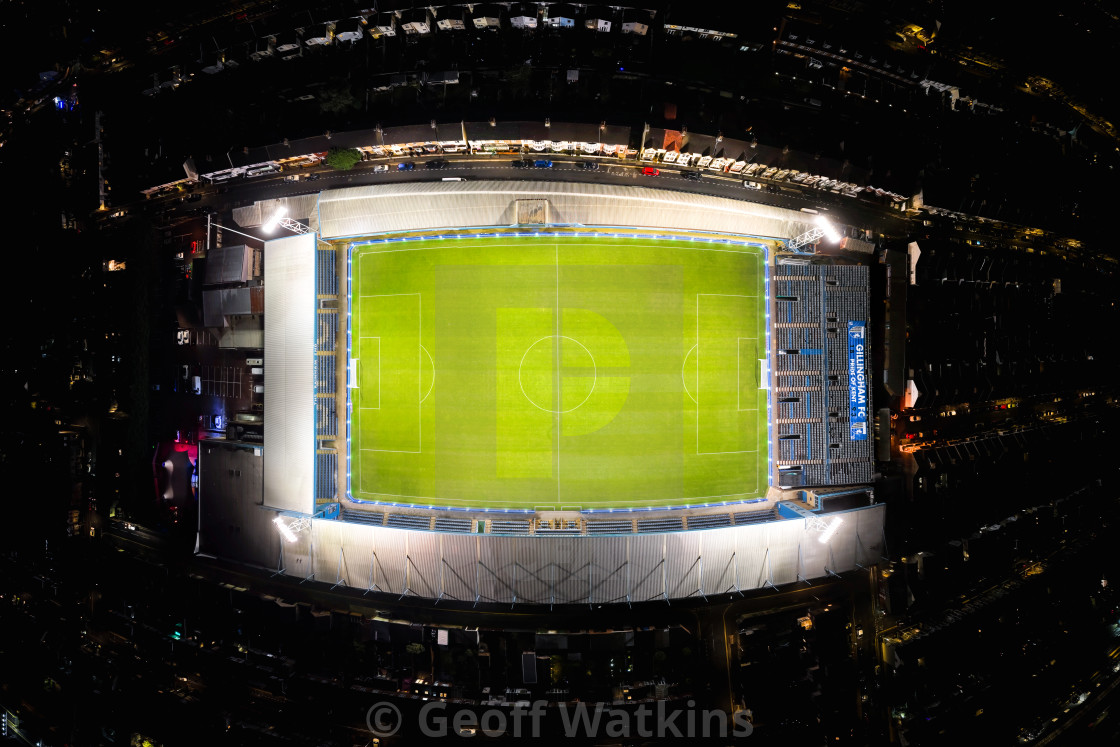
[{"x": 557, "y": 372}]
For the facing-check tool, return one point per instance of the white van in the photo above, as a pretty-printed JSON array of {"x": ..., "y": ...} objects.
[
  {"x": 196, "y": 385},
  {"x": 258, "y": 389},
  {"x": 256, "y": 372}
]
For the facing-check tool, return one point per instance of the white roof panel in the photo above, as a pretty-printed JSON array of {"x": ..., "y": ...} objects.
[
  {"x": 360, "y": 211},
  {"x": 289, "y": 359}
]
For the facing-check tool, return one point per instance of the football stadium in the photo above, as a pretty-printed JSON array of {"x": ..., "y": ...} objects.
[{"x": 546, "y": 392}]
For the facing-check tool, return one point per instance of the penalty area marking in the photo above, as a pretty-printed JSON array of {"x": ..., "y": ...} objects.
[
  {"x": 419, "y": 375},
  {"x": 697, "y": 397}
]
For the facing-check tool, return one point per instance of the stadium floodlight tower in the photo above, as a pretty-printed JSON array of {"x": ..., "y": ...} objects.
[
  {"x": 823, "y": 230},
  {"x": 280, "y": 218},
  {"x": 289, "y": 530}
]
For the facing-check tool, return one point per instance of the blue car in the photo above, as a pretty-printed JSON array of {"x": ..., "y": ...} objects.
[
  {"x": 543, "y": 164},
  {"x": 406, "y": 166}
]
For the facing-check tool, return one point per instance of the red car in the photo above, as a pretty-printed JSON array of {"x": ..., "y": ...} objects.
[{"x": 650, "y": 171}]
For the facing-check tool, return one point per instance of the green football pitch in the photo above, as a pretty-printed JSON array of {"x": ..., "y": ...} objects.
[{"x": 557, "y": 373}]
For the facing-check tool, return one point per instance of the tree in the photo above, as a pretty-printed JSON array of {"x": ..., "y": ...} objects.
[
  {"x": 337, "y": 100},
  {"x": 343, "y": 159}
]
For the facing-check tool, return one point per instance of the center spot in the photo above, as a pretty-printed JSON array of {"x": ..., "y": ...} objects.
[{"x": 538, "y": 378}]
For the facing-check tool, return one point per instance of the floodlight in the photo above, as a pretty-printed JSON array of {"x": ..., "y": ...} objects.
[
  {"x": 830, "y": 530},
  {"x": 830, "y": 233},
  {"x": 285, "y": 532},
  {"x": 276, "y": 217}
]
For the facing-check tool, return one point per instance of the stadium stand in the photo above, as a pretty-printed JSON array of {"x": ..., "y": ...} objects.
[
  {"x": 408, "y": 521},
  {"x": 660, "y": 525},
  {"x": 708, "y": 521}
]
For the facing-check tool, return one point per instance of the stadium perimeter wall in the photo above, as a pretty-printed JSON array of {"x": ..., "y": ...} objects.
[{"x": 585, "y": 569}]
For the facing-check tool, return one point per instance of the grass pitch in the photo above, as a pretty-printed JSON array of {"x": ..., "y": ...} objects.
[{"x": 557, "y": 373}]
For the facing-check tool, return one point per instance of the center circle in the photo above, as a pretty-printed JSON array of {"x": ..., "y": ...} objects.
[{"x": 552, "y": 339}]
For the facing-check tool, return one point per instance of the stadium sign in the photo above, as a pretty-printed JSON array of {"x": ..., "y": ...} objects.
[{"x": 857, "y": 380}]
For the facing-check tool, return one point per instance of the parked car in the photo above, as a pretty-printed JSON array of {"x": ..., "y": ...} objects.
[
  {"x": 694, "y": 175},
  {"x": 313, "y": 177},
  {"x": 382, "y": 167},
  {"x": 651, "y": 171},
  {"x": 543, "y": 163},
  {"x": 438, "y": 163},
  {"x": 519, "y": 164},
  {"x": 406, "y": 166},
  {"x": 590, "y": 165}
]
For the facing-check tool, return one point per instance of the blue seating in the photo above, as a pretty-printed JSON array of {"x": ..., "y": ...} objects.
[
  {"x": 447, "y": 524},
  {"x": 611, "y": 526},
  {"x": 326, "y": 474},
  {"x": 753, "y": 517},
  {"x": 660, "y": 525},
  {"x": 709, "y": 521},
  {"x": 509, "y": 527},
  {"x": 408, "y": 521},
  {"x": 362, "y": 517}
]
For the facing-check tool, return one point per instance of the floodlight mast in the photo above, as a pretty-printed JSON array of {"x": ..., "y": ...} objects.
[
  {"x": 280, "y": 218},
  {"x": 292, "y": 225},
  {"x": 823, "y": 230},
  {"x": 809, "y": 237},
  {"x": 289, "y": 530}
]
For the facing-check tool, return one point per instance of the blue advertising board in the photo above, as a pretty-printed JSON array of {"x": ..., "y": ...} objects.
[{"x": 857, "y": 380}]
